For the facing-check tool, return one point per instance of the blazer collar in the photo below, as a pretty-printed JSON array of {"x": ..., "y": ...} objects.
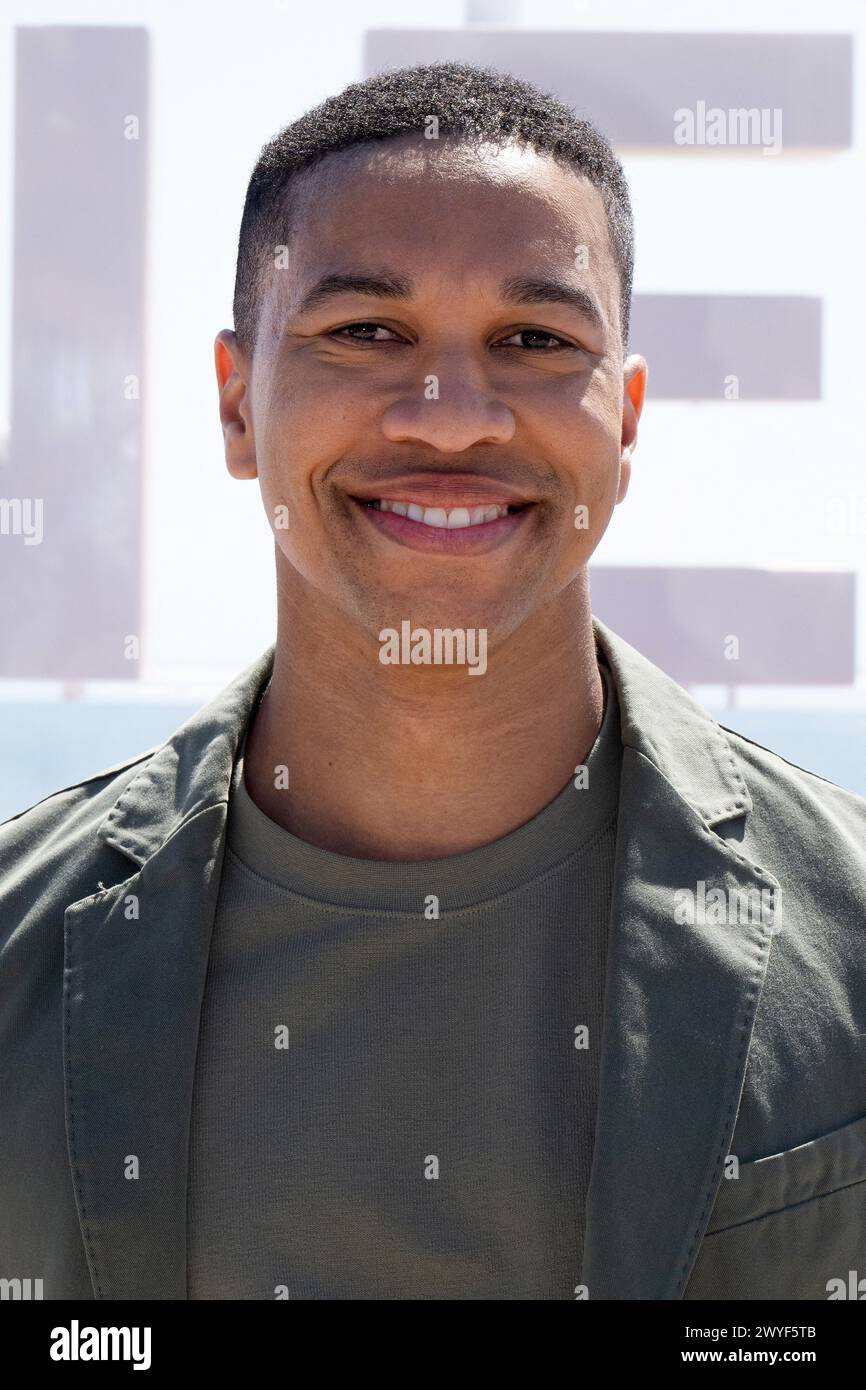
[
  {"x": 187, "y": 774},
  {"x": 661, "y": 720},
  {"x": 680, "y": 1001}
]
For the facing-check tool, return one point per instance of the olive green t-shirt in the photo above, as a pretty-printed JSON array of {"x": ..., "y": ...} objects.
[{"x": 397, "y": 1076}]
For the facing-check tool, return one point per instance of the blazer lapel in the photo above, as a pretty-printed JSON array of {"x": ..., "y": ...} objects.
[
  {"x": 680, "y": 999},
  {"x": 135, "y": 969},
  {"x": 133, "y": 994}
]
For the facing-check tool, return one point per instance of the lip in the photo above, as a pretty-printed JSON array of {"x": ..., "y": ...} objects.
[
  {"x": 461, "y": 540},
  {"x": 446, "y": 490}
]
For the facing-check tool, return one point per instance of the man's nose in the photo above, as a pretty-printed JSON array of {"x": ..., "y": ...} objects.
[{"x": 450, "y": 407}]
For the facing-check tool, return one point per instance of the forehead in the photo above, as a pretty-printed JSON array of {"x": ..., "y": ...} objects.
[{"x": 468, "y": 213}]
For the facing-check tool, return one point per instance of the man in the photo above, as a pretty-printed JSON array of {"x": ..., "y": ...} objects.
[{"x": 453, "y": 951}]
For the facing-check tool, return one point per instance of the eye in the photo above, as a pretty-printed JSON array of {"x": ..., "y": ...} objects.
[
  {"x": 364, "y": 328},
  {"x": 559, "y": 343}
]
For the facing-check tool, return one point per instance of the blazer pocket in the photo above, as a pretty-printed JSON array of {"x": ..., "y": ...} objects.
[{"x": 790, "y": 1225}]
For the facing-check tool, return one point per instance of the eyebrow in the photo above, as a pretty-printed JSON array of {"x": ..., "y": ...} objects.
[
  {"x": 524, "y": 289},
  {"x": 517, "y": 289}
]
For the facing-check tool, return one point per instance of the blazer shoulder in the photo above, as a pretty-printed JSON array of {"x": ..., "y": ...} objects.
[
  {"x": 786, "y": 773},
  {"x": 801, "y": 818},
  {"x": 90, "y": 786}
]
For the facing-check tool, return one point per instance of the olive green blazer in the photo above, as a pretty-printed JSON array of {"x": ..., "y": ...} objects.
[{"x": 730, "y": 1150}]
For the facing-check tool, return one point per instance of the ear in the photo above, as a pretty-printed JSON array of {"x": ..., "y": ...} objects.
[
  {"x": 233, "y": 376},
  {"x": 634, "y": 379}
]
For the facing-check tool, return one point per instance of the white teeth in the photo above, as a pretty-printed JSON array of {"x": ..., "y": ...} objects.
[{"x": 455, "y": 519}]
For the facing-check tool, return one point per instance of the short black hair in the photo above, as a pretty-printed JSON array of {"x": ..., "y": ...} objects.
[{"x": 470, "y": 103}]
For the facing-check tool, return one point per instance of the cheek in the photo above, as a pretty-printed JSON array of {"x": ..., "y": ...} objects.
[
  {"x": 588, "y": 454},
  {"x": 293, "y": 449},
  {"x": 300, "y": 447}
]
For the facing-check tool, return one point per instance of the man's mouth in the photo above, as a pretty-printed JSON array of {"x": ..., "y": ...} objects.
[
  {"x": 445, "y": 513},
  {"x": 444, "y": 518}
]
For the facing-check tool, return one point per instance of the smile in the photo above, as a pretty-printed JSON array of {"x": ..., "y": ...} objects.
[
  {"x": 445, "y": 518},
  {"x": 452, "y": 530}
]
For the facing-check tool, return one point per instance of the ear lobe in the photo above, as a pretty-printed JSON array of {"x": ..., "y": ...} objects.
[{"x": 624, "y": 475}]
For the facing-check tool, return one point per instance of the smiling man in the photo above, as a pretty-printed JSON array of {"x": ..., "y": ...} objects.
[
  {"x": 429, "y": 353},
  {"x": 377, "y": 981}
]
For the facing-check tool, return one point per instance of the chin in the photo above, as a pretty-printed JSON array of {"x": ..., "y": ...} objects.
[{"x": 497, "y": 619}]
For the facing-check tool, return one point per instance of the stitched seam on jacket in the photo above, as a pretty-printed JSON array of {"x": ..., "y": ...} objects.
[
  {"x": 745, "y": 1032},
  {"x": 88, "y": 1242},
  {"x": 792, "y": 1206}
]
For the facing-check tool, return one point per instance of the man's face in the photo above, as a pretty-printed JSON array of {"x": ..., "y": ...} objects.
[{"x": 458, "y": 394}]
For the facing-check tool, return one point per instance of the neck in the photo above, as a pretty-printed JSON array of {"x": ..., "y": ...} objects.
[{"x": 420, "y": 762}]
